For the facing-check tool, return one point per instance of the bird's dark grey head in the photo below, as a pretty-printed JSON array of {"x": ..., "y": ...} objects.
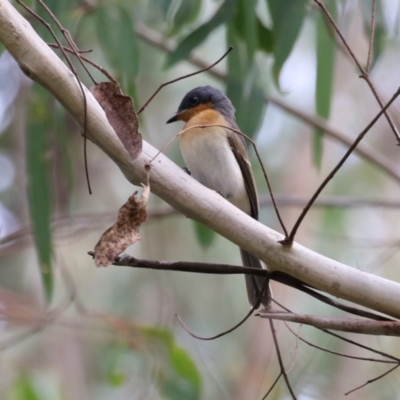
[{"x": 204, "y": 97}]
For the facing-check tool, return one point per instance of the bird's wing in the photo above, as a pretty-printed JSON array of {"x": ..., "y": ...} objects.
[{"x": 238, "y": 146}]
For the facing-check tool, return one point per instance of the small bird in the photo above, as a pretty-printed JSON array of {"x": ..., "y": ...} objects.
[{"x": 217, "y": 158}]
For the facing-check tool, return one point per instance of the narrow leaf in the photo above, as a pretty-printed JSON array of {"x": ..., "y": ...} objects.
[
  {"x": 324, "y": 79},
  {"x": 186, "y": 14},
  {"x": 243, "y": 88},
  {"x": 247, "y": 26},
  {"x": 204, "y": 235},
  {"x": 287, "y": 18},
  {"x": 224, "y": 14},
  {"x": 39, "y": 184},
  {"x": 265, "y": 38},
  {"x": 117, "y": 37},
  {"x": 381, "y": 32}
]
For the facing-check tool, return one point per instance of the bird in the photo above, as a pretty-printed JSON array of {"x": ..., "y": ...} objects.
[{"x": 217, "y": 157}]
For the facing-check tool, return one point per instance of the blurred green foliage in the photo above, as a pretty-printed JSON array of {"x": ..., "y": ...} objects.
[{"x": 263, "y": 33}]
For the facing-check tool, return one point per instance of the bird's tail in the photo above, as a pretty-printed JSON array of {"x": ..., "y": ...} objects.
[{"x": 255, "y": 284}]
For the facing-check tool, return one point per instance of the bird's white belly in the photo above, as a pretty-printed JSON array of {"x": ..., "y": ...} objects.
[{"x": 210, "y": 160}]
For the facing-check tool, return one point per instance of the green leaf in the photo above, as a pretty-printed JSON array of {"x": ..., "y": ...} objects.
[
  {"x": 23, "y": 390},
  {"x": 165, "y": 6},
  {"x": 224, "y": 14},
  {"x": 39, "y": 184},
  {"x": 246, "y": 23},
  {"x": 243, "y": 88},
  {"x": 117, "y": 37},
  {"x": 380, "y": 36},
  {"x": 204, "y": 235},
  {"x": 287, "y": 18},
  {"x": 181, "y": 379},
  {"x": 324, "y": 79},
  {"x": 184, "y": 366},
  {"x": 265, "y": 38},
  {"x": 186, "y": 14}
]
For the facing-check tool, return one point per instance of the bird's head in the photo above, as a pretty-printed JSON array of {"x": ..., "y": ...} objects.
[{"x": 200, "y": 99}]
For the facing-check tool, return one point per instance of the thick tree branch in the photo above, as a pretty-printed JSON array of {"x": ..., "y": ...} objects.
[{"x": 181, "y": 191}]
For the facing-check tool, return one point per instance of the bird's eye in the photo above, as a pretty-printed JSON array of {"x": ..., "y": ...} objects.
[{"x": 194, "y": 100}]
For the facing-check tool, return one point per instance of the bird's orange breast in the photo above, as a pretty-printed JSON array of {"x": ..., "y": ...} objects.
[{"x": 203, "y": 117}]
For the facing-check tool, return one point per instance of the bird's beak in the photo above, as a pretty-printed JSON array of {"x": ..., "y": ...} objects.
[{"x": 174, "y": 118}]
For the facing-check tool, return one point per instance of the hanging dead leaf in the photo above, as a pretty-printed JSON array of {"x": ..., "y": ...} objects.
[
  {"x": 121, "y": 115},
  {"x": 124, "y": 232}
]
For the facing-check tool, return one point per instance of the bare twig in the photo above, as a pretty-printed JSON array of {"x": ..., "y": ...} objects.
[
  {"x": 272, "y": 386},
  {"x": 157, "y": 40},
  {"x": 336, "y": 353},
  {"x": 295, "y": 349},
  {"x": 202, "y": 126},
  {"x": 373, "y": 380},
  {"x": 364, "y": 73},
  {"x": 278, "y": 353},
  {"x": 387, "y": 328},
  {"x": 290, "y": 238},
  {"x": 183, "y": 77},
  {"x": 88, "y": 60},
  {"x": 371, "y": 37},
  {"x": 207, "y": 268},
  {"x": 72, "y": 68},
  {"x": 240, "y": 323}
]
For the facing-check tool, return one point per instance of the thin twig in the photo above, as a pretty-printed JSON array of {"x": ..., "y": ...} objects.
[
  {"x": 88, "y": 60},
  {"x": 183, "y": 77},
  {"x": 289, "y": 240},
  {"x": 364, "y": 73},
  {"x": 240, "y": 323},
  {"x": 73, "y": 70},
  {"x": 278, "y": 353},
  {"x": 207, "y": 268},
  {"x": 371, "y": 37},
  {"x": 202, "y": 126},
  {"x": 336, "y": 353},
  {"x": 373, "y": 380},
  {"x": 362, "y": 151},
  {"x": 272, "y": 386},
  {"x": 75, "y": 49},
  {"x": 381, "y": 353},
  {"x": 354, "y": 325},
  {"x": 295, "y": 349},
  {"x": 157, "y": 40}
]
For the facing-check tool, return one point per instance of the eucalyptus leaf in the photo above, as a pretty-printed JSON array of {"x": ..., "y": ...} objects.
[
  {"x": 243, "y": 88},
  {"x": 247, "y": 26},
  {"x": 265, "y": 38},
  {"x": 324, "y": 78},
  {"x": 119, "y": 45},
  {"x": 204, "y": 235},
  {"x": 23, "y": 389},
  {"x": 381, "y": 32},
  {"x": 39, "y": 184},
  {"x": 224, "y": 14},
  {"x": 287, "y": 18},
  {"x": 185, "y": 15}
]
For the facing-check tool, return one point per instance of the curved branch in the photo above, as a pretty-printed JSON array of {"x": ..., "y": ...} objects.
[{"x": 181, "y": 191}]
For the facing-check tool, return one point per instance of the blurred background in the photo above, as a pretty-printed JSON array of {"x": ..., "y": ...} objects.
[{"x": 71, "y": 331}]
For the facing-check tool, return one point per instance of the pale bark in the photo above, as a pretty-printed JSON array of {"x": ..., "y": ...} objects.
[{"x": 182, "y": 192}]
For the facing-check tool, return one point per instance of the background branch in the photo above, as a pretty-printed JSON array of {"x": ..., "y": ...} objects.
[{"x": 181, "y": 191}]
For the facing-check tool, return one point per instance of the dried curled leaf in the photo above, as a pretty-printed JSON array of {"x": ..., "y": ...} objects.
[
  {"x": 124, "y": 232},
  {"x": 121, "y": 115}
]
